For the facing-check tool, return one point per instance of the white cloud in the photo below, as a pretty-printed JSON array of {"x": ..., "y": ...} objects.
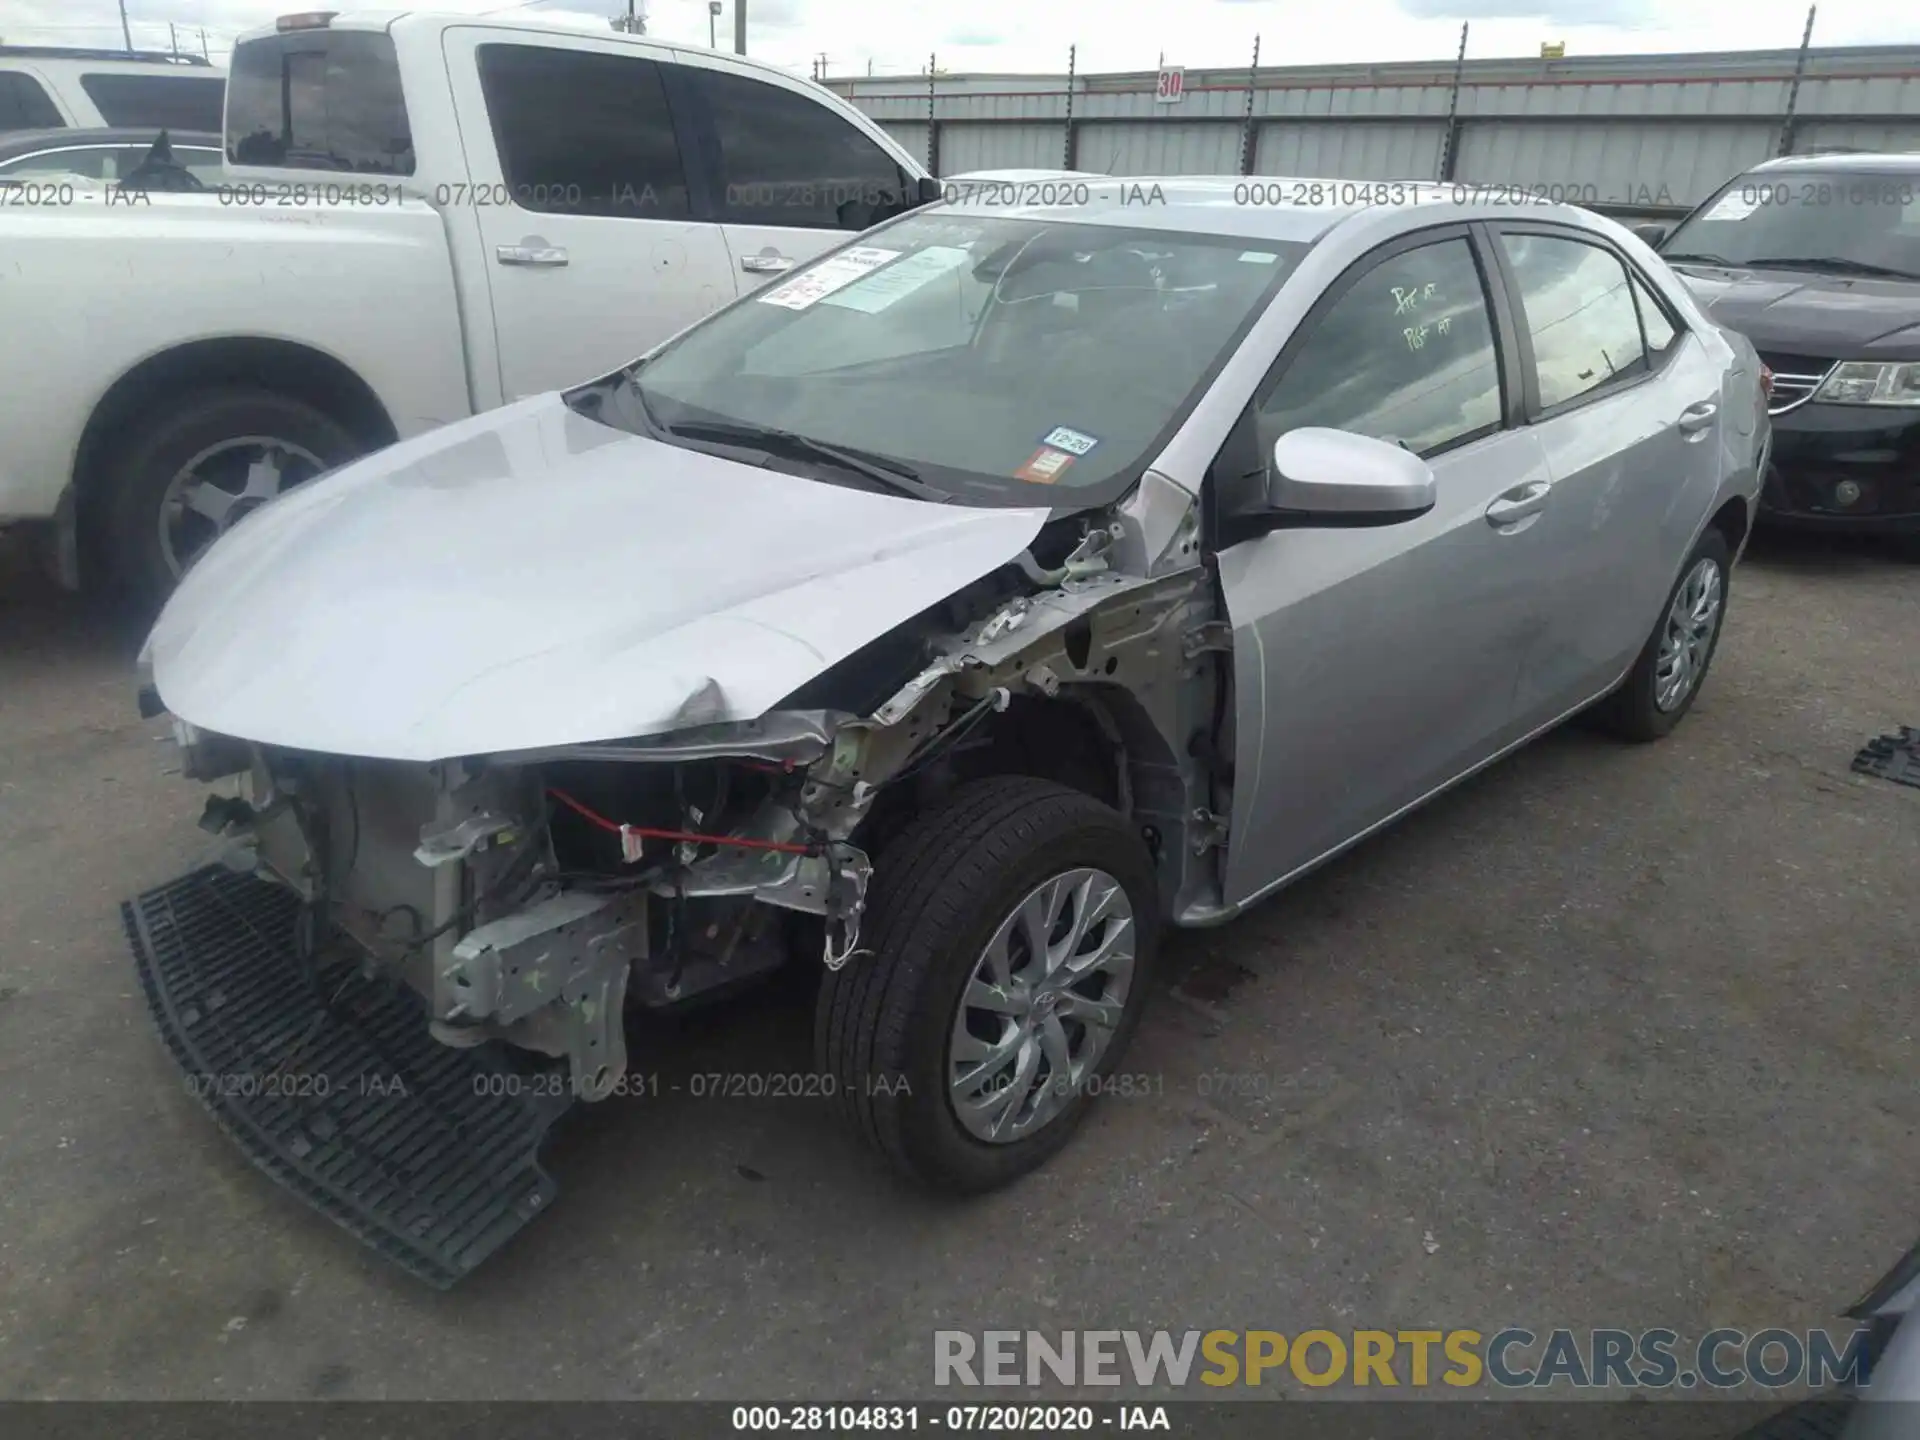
[{"x": 1021, "y": 35}]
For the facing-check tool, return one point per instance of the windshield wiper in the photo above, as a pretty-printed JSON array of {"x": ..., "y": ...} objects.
[
  {"x": 1695, "y": 256},
  {"x": 890, "y": 474},
  {"x": 1835, "y": 264}
]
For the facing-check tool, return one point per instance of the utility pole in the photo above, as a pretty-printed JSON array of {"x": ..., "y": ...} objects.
[
  {"x": 205, "y": 54},
  {"x": 713, "y": 19},
  {"x": 126, "y": 30},
  {"x": 820, "y": 61},
  {"x": 173, "y": 39},
  {"x": 739, "y": 27}
]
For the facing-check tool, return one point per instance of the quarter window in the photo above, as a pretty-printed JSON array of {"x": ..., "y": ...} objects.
[
  {"x": 583, "y": 132},
  {"x": 24, "y": 105},
  {"x": 166, "y": 102},
  {"x": 787, "y": 160},
  {"x": 1580, "y": 313},
  {"x": 1407, "y": 354},
  {"x": 1654, "y": 323}
]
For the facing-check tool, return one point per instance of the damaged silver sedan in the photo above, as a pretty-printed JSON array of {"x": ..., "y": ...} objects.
[{"x": 949, "y": 617}]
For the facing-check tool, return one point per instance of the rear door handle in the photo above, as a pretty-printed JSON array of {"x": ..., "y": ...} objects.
[
  {"x": 1697, "y": 417},
  {"x": 546, "y": 255},
  {"x": 1519, "y": 503},
  {"x": 765, "y": 264}
]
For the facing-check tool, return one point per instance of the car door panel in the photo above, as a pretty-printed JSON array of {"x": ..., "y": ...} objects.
[
  {"x": 579, "y": 198},
  {"x": 1375, "y": 665},
  {"x": 786, "y": 175},
  {"x": 1625, "y": 429}
]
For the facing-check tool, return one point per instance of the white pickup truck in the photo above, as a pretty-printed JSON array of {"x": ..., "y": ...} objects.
[{"x": 422, "y": 217}]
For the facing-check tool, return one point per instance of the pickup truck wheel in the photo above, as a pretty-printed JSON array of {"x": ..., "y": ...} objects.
[
  {"x": 1007, "y": 952},
  {"x": 191, "y": 472},
  {"x": 1666, "y": 679}
]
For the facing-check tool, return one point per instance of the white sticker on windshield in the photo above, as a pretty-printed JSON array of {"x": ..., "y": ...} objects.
[
  {"x": 881, "y": 288},
  {"x": 1257, "y": 257},
  {"x": 1733, "y": 206},
  {"x": 1061, "y": 438},
  {"x": 828, "y": 276}
]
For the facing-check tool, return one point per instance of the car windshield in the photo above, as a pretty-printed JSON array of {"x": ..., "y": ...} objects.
[
  {"x": 1839, "y": 220},
  {"x": 987, "y": 360}
]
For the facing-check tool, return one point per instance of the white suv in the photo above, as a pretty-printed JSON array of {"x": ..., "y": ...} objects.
[{"x": 54, "y": 88}]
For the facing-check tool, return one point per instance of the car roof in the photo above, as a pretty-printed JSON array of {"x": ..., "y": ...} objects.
[
  {"x": 15, "y": 143},
  {"x": 1265, "y": 207},
  {"x": 1875, "y": 162}
]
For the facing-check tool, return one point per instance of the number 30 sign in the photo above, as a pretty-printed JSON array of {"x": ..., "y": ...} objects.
[{"x": 1171, "y": 86}]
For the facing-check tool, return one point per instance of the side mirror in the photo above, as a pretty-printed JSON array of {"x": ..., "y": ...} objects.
[
  {"x": 1331, "y": 478},
  {"x": 1652, "y": 234},
  {"x": 929, "y": 190}
]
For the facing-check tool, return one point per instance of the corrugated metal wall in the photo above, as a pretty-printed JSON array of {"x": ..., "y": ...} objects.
[{"x": 1635, "y": 132}]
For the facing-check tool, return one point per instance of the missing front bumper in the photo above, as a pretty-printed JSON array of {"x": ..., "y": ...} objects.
[{"x": 332, "y": 1084}]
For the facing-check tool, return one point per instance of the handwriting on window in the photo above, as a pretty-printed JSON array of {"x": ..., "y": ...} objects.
[{"x": 1410, "y": 300}]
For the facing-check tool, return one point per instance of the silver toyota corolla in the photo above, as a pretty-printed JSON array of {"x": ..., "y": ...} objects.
[{"x": 949, "y": 616}]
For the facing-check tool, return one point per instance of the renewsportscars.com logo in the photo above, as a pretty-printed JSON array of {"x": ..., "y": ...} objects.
[{"x": 1509, "y": 1359}]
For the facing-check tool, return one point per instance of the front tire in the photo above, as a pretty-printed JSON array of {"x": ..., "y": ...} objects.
[
  {"x": 1666, "y": 679},
  {"x": 1006, "y": 956}
]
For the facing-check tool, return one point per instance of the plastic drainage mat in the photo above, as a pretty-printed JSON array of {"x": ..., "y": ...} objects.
[
  {"x": 1892, "y": 757},
  {"x": 426, "y": 1152}
]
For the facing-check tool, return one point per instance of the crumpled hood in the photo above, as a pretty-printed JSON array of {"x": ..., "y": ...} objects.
[
  {"x": 531, "y": 577},
  {"x": 1837, "y": 316}
]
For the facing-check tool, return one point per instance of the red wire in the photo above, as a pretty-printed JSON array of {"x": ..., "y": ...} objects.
[{"x": 648, "y": 832}]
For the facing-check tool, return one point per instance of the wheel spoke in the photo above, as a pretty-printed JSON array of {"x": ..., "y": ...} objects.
[
  {"x": 983, "y": 996},
  {"x": 207, "y": 499},
  {"x": 1101, "y": 1014},
  {"x": 265, "y": 474},
  {"x": 987, "y": 1058}
]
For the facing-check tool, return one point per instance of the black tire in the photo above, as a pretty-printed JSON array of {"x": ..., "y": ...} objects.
[
  {"x": 1631, "y": 711},
  {"x": 166, "y": 438},
  {"x": 938, "y": 894}
]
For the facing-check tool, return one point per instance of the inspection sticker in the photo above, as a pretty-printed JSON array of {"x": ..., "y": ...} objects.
[
  {"x": 879, "y": 289},
  {"x": 1045, "y": 466},
  {"x": 1061, "y": 438},
  {"x": 828, "y": 276}
]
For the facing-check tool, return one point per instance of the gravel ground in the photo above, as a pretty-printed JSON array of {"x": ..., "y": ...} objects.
[{"x": 1608, "y": 1036}]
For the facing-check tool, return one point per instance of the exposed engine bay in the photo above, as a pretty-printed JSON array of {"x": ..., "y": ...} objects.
[{"x": 532, "y": 897}]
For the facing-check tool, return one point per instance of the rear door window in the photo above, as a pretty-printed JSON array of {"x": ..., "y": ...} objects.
[
  {"x": 784, "y": 159},
  {"x": 166, "y": 102},
  {"x": 1580, "y": 314},
  {"x": 583, "y": 132},
  {"x": 24, "y": 105},
  {"x": 319, "y": 100}
]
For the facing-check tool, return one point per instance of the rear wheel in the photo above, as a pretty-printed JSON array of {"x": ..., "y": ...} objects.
[
  {"x": 192, "y": 471},
  {"x": 1009, "y": 944},
  {"x": 1666, "y": 679}
]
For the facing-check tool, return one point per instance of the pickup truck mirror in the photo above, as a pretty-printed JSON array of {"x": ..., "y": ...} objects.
[
  {"x": 1334, "y": 478},
  {"x": 1652, "y": 233},
  {"x": 928, "y": 191}
]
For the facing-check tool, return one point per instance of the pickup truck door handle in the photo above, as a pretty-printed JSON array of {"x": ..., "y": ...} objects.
[
  {"x": 1697, "y": 417},
  {"x": 1518, "y": 503},
  {"x": 530, "y": 254},
  {"x": 765, "y": 264}
]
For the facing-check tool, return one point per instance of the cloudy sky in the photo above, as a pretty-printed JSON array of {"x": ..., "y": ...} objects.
[{"x": 1033, "y": 35}]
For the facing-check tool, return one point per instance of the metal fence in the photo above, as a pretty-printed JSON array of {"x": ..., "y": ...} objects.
[{"x": 1633, "y": 135}]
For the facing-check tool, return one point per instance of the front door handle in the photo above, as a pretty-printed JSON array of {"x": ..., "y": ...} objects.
[
  {"x": 1697, "y": 417},
  {"x": 1519, "y": 503},
  {"x": 545, "y": 255},
  {"x": 765, "y": 264}
]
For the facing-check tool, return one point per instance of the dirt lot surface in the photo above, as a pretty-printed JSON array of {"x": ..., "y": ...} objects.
[{"x": 1608, "y": 1036}]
